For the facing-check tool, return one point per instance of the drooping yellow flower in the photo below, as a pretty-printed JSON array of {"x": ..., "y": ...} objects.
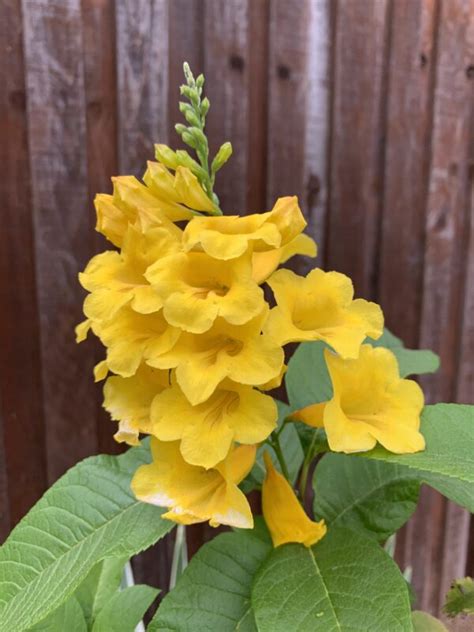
[
  {"x": 320, "y": 306},
  {"x": 370, "y": 403},
  {"x": 194, "y": 494},
  {"x": 265, "y": 263},
  {"x": 285, "y": 517},
  {"x": 163, "y": 199},
  {"x": 239, "y": 353},
  {"x": 177, "y": 193},
  {"x": 228, "y": 237},
  {"x": 234, "y": 412},
  {"x": 117, "y": 278},
  {"x": 128, "y": 400},
  {"x": 196, "y": 289},
  {"x": 133, "y": 338}
]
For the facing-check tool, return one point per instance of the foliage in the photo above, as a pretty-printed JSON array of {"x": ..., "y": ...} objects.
[{"x": 460, "y": 597}]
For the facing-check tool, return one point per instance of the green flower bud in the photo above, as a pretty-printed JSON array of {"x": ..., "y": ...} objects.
[{"x": 222, "y": 156}]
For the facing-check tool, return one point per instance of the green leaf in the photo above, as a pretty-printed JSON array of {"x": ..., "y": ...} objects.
[
  {"x": 68, "y": 617},
  {"x": 424, "y": 622},
  {"x": 88, "y": 515},
  {"x": 125, "y": 609},
  {"x": 99, "y": 586},
  {"x": 214, "y": 591},
  {"x": 373, "y": 497},
  {"x": 447, "y": 463},
  {"x": 460, "y": 597},
  {"x": 307, "y": 379},
  {"x": 344, "y": 582},
  {"x": 292, "y": 451}
]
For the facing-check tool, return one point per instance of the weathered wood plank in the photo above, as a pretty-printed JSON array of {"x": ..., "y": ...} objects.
[
  {"x": 22, "y": 439},
  {"x": 446, "y": 239},
  {"x": 63, "y": 226},
  {"x": 142, "y": 76},
  {"x": 226, "y": 67},
  {"x": 357, "y": 140},
  {"x": 186, "y": 43},
  {"x": 101, "y": 134},
  {"x": 409, "y": 119}
]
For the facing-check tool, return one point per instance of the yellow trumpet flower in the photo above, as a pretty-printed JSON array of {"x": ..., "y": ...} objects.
[
  {"x": 371, "y": 403},
  {"x": 285, "y": 517}
]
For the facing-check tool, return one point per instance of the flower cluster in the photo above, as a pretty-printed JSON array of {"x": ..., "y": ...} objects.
[{"x": 193, "y": 344}]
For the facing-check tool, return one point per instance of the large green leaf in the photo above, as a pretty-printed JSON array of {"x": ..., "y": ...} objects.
[
  {"x": 69, "y": 617},
  {"x": 125, "y": 609},
  {"x": 291, "y": 448},
  {"x": 88, "y": 515},
  {"x": 99, "y": 586},
  {"x": 447, "y": 463},
  {"x": 213, "y": 594},
  {"x": 307, "y": 379},
  {"x": 344, "y": 583},
  {"x": 369, "y": 496}
]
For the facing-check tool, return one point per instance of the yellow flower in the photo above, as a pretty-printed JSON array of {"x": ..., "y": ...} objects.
[
  {"x": 228, "y": 237},
  {"x": 192, "y": 493},
  {"x": 128, "y": 400},
  {"x": 177, "y": 193},
  {"x": 196, "y": 289},
  {"x": 132, "y": 338},
  {"x": 265, "y": 263},
  {"x": 163, "y": 199},
  {"x": 234, "y": 412},
  {"x": 320, "y": 306},
  {"x": 240, "y": 353},
  {"x": 116, "y": 279},
  {"x": 370, "y": 403},
  {"x": 285, "y": 517}
]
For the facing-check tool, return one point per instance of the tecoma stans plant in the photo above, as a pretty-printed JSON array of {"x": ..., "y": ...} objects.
[{"x": 195, "y": 311}]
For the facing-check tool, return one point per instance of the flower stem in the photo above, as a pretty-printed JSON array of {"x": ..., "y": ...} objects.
[
  {"x": 180, "y": 555},
  {"x": 275, "y": 443}
]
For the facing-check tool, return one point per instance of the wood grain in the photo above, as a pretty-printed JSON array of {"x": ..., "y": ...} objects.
[
  {"x": 100, "y": 88},
  {"x": 63, "y": 227},
  {"x": 142, "y": 81},
  {"x": 409, "y": 119},
  {"x": 22, "y": 433},
  {"x": 357, "y": 140}
]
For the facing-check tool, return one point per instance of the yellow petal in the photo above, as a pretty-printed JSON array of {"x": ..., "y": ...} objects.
[
  {"x": 192, "y": 493},
  {"x": 82, "y": 330},
  {"x": 100, "y": 371},
  {"x": 320, "y": 307},
  {"x": 233, "y": 413},
  {"x": 190, "y": 191},
  {"x": 265, "y": 263},
  {"x": 372, "y": 403},
  {"x": 312, "y": 415},
  {"x": 285, "y": 517}
]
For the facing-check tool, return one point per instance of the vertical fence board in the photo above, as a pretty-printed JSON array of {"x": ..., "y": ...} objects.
[
  {"x": 357, "y": 140},
  {"x": 21, "y": 418},
  {"x": 186, "y": 23},
  {"x": 226, "y": 66},
  {"x": 409, "y": 118},
  {"x": 142, "y": 75},
  {"x": 63, "y": 227},
  {"x": 100, "y": 94},
  {"x": 465, "y": 381},
  {"x": 446, "y": 231}
]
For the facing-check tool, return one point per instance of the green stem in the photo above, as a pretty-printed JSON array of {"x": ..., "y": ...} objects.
[
  {"x": 308, "y": 459},
  {"x": 180, "y": 555},
  {"x": 275, "y": 443}
]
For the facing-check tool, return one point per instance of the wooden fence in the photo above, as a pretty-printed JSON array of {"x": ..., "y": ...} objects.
[{"x": 364, "y": 108}]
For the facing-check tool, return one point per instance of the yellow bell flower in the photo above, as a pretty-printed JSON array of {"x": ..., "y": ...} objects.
[
  {"x": 234, "y": 412},
  {"x": 265, "y": 263},
  {"x": 128, "y": 400},
  {"x": 371, "y": 403},
  {"x": 196, "y": 289},
  {"x": 239, "y": 353},
  {"x": 285, "y": 517},
  {"x": 132, "y": 338},
  {"x": 117, "y": 278},
  {"x": 177, "y": 193},
  {"x": 320, "y": 306},
  {"x": 194, "y": 494},
  {"x": 230, "y": 236}
]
